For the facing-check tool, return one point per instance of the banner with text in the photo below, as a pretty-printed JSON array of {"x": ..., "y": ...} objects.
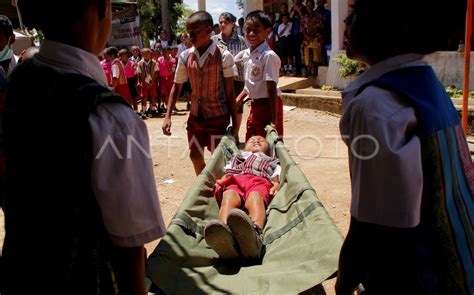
[{"x": 125, "y": 33}]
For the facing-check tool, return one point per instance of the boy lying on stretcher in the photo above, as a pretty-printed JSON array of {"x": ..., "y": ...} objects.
[{"x": 250, "y": 180}]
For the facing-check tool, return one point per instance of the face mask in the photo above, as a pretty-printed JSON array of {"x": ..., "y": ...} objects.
[{"x": 7, "y": 52}]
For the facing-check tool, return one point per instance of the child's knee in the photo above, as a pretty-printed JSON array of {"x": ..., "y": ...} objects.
[
  {"x": 231, "y": 197},
  {"x": 254, "y": 198}
]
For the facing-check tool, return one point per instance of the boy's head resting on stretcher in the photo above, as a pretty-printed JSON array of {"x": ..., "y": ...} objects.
[{"x": 257, "y": 144}]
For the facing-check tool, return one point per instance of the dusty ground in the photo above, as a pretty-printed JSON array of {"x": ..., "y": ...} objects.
[{"x": 312, "y": 138}]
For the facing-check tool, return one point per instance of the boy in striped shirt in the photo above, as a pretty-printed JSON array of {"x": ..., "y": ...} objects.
[
  {"x": 250, "y": 179},
  {"x": 210, "y": 70}
]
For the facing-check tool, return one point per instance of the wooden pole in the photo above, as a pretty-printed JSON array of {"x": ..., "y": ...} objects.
[{"x": 467, "y": 66}]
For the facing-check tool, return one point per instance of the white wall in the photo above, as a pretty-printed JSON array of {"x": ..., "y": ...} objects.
[{"x": 339, "y": 12}]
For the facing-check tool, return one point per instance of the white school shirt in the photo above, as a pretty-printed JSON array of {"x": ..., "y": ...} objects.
[
  {"x": 124, "y": 185},
  {"x": 261, "y": 65},
  {"x": 387, "y": 188},
  {"x": 181, "y": 74},
  {"x": 115, "y": 70},
  {"x": 284, "y": 30}
]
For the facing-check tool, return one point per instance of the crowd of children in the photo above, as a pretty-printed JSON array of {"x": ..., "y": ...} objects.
[{"x": 142, "y": 76}]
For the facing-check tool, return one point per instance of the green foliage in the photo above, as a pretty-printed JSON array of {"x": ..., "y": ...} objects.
[
  {"x": 328, "y": 88},
  {"x": 150, "y": 17},
  {"x": 184, "y": 12},
  {"x": 457, "y": 93},
  {"x": 348, "y": 68},
  {"x": 240, "y": 4}
]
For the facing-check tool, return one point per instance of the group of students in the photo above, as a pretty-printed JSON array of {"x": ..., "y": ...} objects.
[
  {"x": 93, "y": 208},
  {"x": 307, "y": 27},
  {"x": 146, "y": 76}
]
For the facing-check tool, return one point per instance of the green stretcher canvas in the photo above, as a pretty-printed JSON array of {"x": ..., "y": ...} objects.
[{"x": 302, "y": 243}]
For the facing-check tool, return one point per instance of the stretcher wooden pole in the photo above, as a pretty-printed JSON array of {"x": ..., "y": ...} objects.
[{"x": 467, "y": 65}]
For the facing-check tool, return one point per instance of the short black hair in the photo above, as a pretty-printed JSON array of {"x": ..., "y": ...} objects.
[
  {"x": 123, "y": 51},
  {"x": 112, "y": 50},
  {"x": 200, "y": 18},
  {"x": 261, "y": 17},
  {"x": 383, "y": 29},
  {"x": 44, "y": 15},
  {"x": 6, "y": 27},
  {"x": 228, "y": 17}
]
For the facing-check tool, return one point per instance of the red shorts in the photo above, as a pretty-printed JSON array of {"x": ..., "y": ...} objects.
[
  {"x": 124, "y": 91},
  {"x": 149, "y": 90},
  {"x": 204, "y": 132},
  {"x": 165, "y": 85},
  {"x": 244, "y": 185},
  {"x": 261, "y": 116}
]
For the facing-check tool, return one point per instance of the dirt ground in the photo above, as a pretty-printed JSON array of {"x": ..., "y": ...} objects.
[{"x": 312, "y": 138}]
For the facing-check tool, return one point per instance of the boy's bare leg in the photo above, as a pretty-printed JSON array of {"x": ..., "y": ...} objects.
[
  {"x": 144, "y": 101},
  {"x": 135, "y": 104},
  {"x": 153, "y": 102},
  {"x": 238, "y": 122},
  {"x": 230, "y": 200},
  {"x": 256, "y": 208},
  {"x": 197, "y": 157}
]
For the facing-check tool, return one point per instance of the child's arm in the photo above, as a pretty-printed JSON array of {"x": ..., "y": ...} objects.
[
  {"x": 181, "y": 76},
  {"x": 230, "y": 97},
  {"x": 272, "y": 73},
  {"x": 272, "y": 94},
  {"x": 276, "y": 185},
  {"x": 131, "y": 262},
  {"x": 175, "y": 91},
  {"x": 240, "y": 98}
]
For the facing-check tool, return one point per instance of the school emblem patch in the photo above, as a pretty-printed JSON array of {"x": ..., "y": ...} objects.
[{"x": 255, "y": 72}]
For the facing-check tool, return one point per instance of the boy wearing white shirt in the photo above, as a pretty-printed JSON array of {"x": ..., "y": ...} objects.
[{"x": 262, "y": 67}]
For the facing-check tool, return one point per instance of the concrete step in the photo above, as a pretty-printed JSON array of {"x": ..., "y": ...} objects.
[
  {"x": 294, "y": 83},
  {"x": 316, "y": 91},
  {"x": 470, "y": 109},
  {"x": 320, "y": 102}
]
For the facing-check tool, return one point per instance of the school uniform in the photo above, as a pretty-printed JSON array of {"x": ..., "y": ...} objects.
[
  {"x": 130, "y": 68},
  {"x": 147, "y": 72},
  {"x": 166, "y": 75},
  {"x": 261, "y": 65},
  {"x": 284, "y": 40},
  {"x": 209, "y": 115},
  {"x": 249, "y": 172},
  {"x": 118, "y": 72},
  {"x": 411, "y": 169}
]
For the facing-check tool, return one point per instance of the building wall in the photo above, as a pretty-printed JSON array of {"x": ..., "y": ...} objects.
[{"x": 448, "y": 66}]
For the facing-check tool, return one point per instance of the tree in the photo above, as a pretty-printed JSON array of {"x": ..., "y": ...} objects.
[
  {"x": 185, "y": 12},
  {"x": 150, "y": 16},
  {"x": 150, "y": 19},
  {"x": 240, "y": 4}
]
